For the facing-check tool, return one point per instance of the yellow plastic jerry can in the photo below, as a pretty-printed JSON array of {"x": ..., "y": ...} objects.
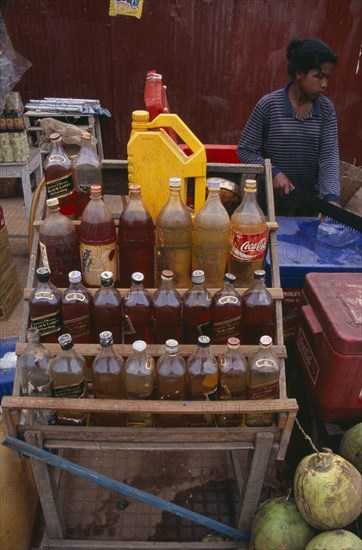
[{"x": 154, "y": 158}]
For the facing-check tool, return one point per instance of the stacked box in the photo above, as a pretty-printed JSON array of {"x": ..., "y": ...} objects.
[{"x": 10, "y": 291}]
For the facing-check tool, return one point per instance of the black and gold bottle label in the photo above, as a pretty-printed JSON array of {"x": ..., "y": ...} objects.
[
  {"x": 47, "y": 324},
  {"x": 60, "y": 187}
]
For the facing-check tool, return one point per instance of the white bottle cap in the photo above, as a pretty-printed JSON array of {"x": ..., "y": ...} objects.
[
  {"x": 52, "y": 202},
  {"x": 175, "y": 183},
  {"x": 74, "y": 276},
  {"x": 213, "y": 183},
  {"x": 137, "y": 277},
  {"x": 171, "y": 346},
  {"x": 266, "y": 341},
  {"x": 198, "y": 276},
  {"x": 203, "y": 341},
  {"x": 139, "y": 345},
  {"x": 233, "y": 342}
]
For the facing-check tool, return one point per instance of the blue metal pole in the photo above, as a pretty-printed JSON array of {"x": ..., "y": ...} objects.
[{"x": 80, "y": 471}]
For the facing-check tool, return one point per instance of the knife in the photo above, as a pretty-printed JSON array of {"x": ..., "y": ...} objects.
[{"x": 323, "y": 207}]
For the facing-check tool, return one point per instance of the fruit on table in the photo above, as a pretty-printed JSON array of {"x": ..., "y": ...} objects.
[
  {"x": 341, "y": 539},
  {"x": 351, "y": 446}
]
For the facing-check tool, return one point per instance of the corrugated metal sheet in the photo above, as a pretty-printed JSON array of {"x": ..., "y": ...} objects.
[{"x": 217, "y": 57}]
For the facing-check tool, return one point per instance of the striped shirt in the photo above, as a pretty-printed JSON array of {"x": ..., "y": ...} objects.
[{"x": 305, "y": 149}]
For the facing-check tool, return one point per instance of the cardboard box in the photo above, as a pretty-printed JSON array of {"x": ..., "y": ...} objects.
[
  {"x": 10, "y": 292},
  {"x": 5, "y": 252}
]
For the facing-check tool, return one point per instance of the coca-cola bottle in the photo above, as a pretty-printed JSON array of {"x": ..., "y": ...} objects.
[
  {"x": 137, "y": 311},
  {"x": 171, "y": 383},
  {"x": 226, "y": 312},
  {"x": 210, "y": 237},
  {"x": 248, "y": 238},
  {"x": 232, "y": 380},
  {"x": 139, "y": 383},
  {"x": 77, "y": 307},
  {"x": 258, "y": 311},
  {"x": 136, "y": 240},
  {"x": 98, "y": 239},
  {"x": 166, "y": 307},
  {"x": 58, "y": 176},
  {"x": 262, "y": 380},
  {"x": 58, "y": 245},
  {"x": 86, "y": 172},
  {"x": 107, "y": 309},
  {"x": 45, "y": 307},
  {"x": 202, "y": 381},
  {"x": 197, "y": 310}
]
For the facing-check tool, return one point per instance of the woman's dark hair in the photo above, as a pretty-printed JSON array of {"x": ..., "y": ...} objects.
[{"x": 304, "y": 55}]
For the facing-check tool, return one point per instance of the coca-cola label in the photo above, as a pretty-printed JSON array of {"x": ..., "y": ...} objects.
[
  {"x": 60, "y": 187},
  {"x": 248, "y": 248}
]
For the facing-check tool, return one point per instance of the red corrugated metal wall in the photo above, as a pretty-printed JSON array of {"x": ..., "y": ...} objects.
[{"x": 217, "y": 58}]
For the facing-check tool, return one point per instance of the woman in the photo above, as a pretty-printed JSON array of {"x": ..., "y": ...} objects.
[{"x": 296, "y": 127}]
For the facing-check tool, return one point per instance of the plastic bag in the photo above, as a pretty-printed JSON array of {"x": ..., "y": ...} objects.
[{"x": 70, "y": 133}]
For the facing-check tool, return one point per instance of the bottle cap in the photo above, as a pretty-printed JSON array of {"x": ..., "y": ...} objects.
[
  {"x": 32, "y": 334},
  {"x": 96, "y": 190},
  {"x": 140, "y": 116},
  {"x": 167, "y": 274},
  {"x": 203, "y": 341},
  {"x": 137, "y": 277},
  {"x": 106, "y": 338},
  {"x": 259, "y": 274},
  {"x": 171, "y": 346},
  {"x": 175, "y": 183},
  {"x": 139, "y": 345},
  {"x": 250, "y": 185},
  {"x": 266, "y": 341},
  {"x": 52, "y": 203},
  {"x": 134, "y": 189},
  {"x": 65, "y": 341},
  {"x": 43, "y": 274},
  {"x": 233, "y": 342},
  {"x": 74, "y": 276},
  {"x": 198, "y": 276},
  {"x": 213, "y": 183},
  {"x": 229, "y": 278},
  {"x": 107, "y": 278},
  {"x": 55, "y": 136}
]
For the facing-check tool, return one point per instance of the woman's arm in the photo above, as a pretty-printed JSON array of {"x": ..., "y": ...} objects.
[
  {"x": 329, "y": 164},
  {"x": 250, "y": 146}
]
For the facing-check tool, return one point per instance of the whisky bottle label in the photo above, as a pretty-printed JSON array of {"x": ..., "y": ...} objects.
[
  {"x": 47, "y": 324},
  {"x": 60, "y": 187},
  {"x": 96, "y": 259},
  {"x": 73, "y": 390},
  {"x": 77, "y": 327},
  {"x": 248, "y": 248},
  {"x": 78, "y": 296},
  {"x": 269, "y": 390},
  {"x": 44, "y": 255},
  {"x": 204, "y": 329},
  {"x": 44, "y": 295},
  {"x": 226, "y": 329}
]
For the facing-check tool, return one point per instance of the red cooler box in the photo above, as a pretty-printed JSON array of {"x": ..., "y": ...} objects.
[{"x": 329, "y": 344}]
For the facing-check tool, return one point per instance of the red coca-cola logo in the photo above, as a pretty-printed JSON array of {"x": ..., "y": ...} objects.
[{"x": 249, "y": 247}]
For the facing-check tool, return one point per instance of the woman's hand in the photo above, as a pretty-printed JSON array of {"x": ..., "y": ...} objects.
[{"x": 282, "y": 185}]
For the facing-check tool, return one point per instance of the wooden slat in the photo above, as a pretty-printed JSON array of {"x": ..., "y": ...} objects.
[{"x": 141, "y": 545}]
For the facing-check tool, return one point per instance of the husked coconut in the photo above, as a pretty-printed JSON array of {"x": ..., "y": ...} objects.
[{"x": 338, "y": 540}]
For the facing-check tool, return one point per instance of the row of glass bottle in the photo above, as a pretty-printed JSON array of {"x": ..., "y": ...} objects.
[
  {"x": 155, "y": 317},
  {"x": 202, "y": 377}
]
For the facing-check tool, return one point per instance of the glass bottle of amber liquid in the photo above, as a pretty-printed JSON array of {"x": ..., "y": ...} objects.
[
  {"x": 197, "y": 310},
  {"x": 58, "y": 176},
  {"x": 232, "y": 380},
  {"x": 202, "y": 381},
  {"x": 107, "y": 309},
  {"x": 68, "y": 380},
  {"x": 226, "y": 312},
  {"x": 98, "y": 239},
  {"x": 258, "y": 311},
  {"x": 262, "y": 380},
  {"x": 108, "y": 379},
  {"x": 139, "y": 382},
  {"x": 171, "y": 383},
  {"x": 77, "y": 307},
  {"x": 137, "y": 311},
  {"x": 136, "y": 240},
  {"x": 45, "y": 306},
  {"x": 86, "y": 168},
  {"x": 166, "y": 302}
]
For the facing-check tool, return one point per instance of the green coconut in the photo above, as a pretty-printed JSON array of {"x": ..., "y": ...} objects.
[
  {"x": 278, "y": 525},
  {"x": 335, "y": 540},
  {"x": 351, "y": 446},
  {"x": 327, "y": 490}
]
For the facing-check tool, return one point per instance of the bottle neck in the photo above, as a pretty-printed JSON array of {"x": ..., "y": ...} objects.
[
  {"x": 203, "y": 352},
  {"x": 259, "y": 284},
  {"x": 166, "y": 284},
  {"x": 107, "y": 349},
  {"x": 214, "y": 195}
]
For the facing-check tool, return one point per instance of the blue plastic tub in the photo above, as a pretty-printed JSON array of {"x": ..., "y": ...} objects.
[{"x": 7, "y": 375}]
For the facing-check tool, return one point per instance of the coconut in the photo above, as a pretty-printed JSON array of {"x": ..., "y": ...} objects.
[
  {"x": 341, "y": 539},
  {"x": 278, "y": 524},
  {"x": 327, "y": 490},
  {"x": 351, "y": 446}
]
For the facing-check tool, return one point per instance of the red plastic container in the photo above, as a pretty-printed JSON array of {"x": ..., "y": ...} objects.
[{"x": 329, "y": 344}]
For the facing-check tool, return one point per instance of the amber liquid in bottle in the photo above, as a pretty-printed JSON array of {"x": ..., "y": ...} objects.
[
  {"x": 77, "y": 307},
  {"x": 107, "y": 309},
  {"x": 139, "y": 383},
  {"x": 197, "y": 310},
  {"x": 258, "y": 311},
  {"x": 232, "y": 381},
  {"x": 86, "y": 168},
  {"x": 45, "y": 305},
  {"x": 108, "y": 379},
  {"x": 58, "y": 176},
  {"x": 136, "y": 241},
  {"x": 137, "y": 312},
  {"x": 226, "y": 314},
  {"x": 171, "y": 383},
  {"x": 166, "y": 303}
]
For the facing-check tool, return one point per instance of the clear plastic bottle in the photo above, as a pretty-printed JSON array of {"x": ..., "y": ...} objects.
[
  {"x": 202, "y": 381},
  {"x": 58, "y": 245},
  {"x": 166, "y": 306},
  {"x": 108, "y": 379},
  {"x": 98, "y": 240},
  {"x": 68, "y": 380},
  {"x": 226, "y": 312},
  {"x": 34, "y": 371},
  {"x": 136, "y": 240},
  {"x": 139, "y": 382},
  {"x": 197, "y": 310},
  {"x": 58, "y": 176},
  {"x": 171, "y": 383},
  {"x": 77, "y": 308},
  {"x": 174, "y": 237},
  {"x": 248, "y": 238},
  {"x": 137, "y": 312},
  {"x": 258, "y": 311},
  {"x": 86, "y": 167},
  {"x": 232, "y": 380},
  {"x": 262, "y": 380},
  {"x": 210, "y": 237},
  {"x": 107, "y": 309},
  {"x": 45, "y": 307}
]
